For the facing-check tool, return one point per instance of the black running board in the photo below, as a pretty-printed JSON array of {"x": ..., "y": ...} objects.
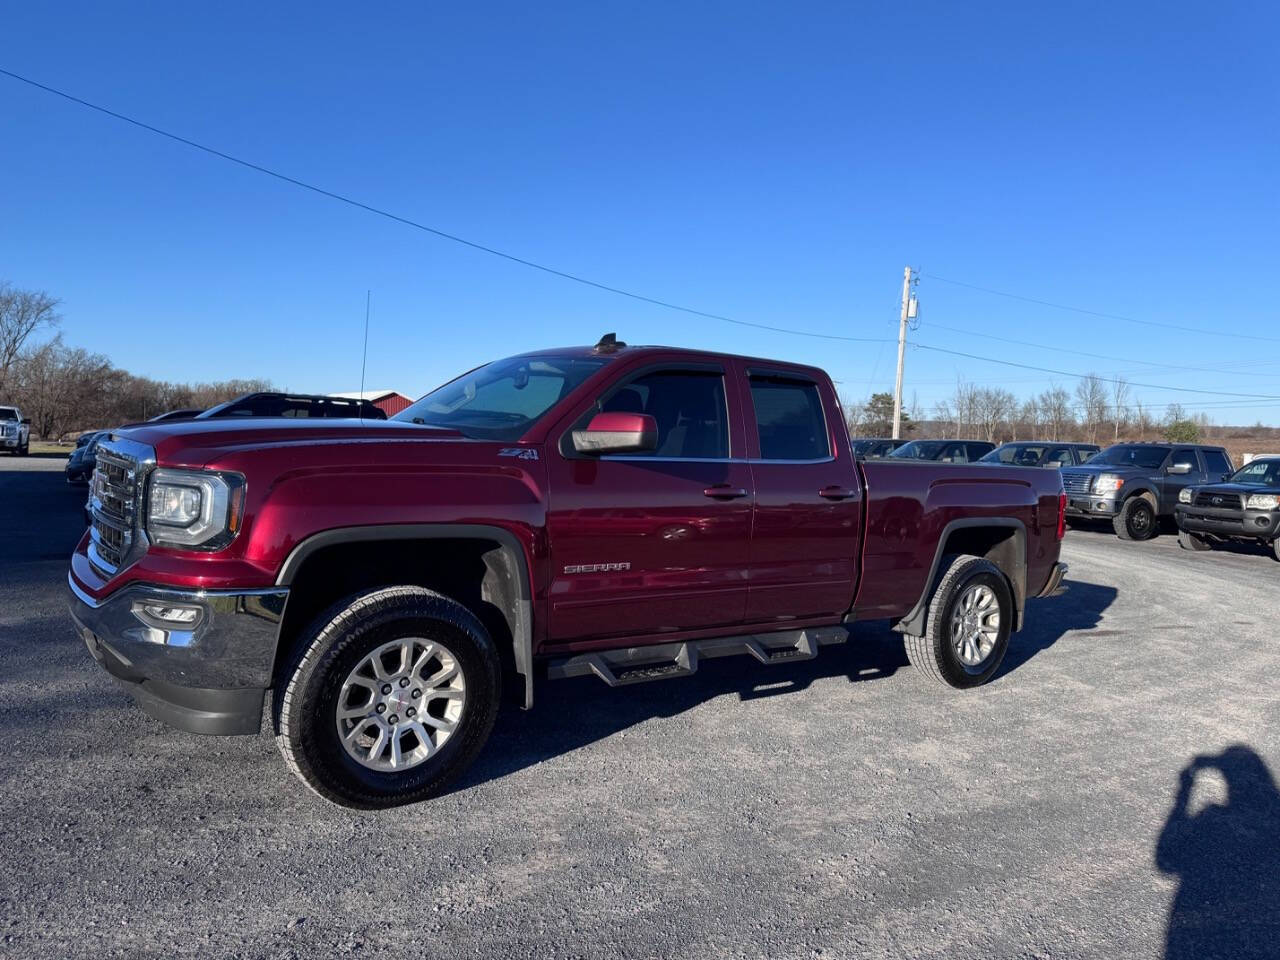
[{"x": 629, "y": 665}]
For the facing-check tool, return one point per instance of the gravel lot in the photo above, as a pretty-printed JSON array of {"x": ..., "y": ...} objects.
[{"x": 840, "y": 807}]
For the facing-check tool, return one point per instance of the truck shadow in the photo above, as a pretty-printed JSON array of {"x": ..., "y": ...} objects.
[
  {"x": 1224, "y": 855},
  {"x": 570, "y": 714}
]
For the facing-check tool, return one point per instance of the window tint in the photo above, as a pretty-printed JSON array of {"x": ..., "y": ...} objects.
[
  {"x": 790, "y": 419},
  {"x": 1216, "y": 462},
  {"x": 688, "y": 406},
  {"x": 1085, "y": 454},
  {"x": 1185, "y": 456},
  {"x": 956, "y": 453},
  {"x": 1059, "y": 455}
]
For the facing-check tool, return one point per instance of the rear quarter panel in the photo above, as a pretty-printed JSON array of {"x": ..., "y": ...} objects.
[{"x": 910, "y": 504}]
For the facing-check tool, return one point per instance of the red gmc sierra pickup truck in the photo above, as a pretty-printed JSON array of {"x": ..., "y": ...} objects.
[{"x": 618, "y": 511}]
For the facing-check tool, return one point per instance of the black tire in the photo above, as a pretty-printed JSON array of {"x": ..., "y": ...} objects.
[
  {"x": 934, "y": 654},
  {"x": 307, "y": 694},
  {"x": 1192, "y": 541},
  {"x": 25, "y": 449},
  {"x": 1275, "y": 549},
  {"x": 1136, "y": 520}
]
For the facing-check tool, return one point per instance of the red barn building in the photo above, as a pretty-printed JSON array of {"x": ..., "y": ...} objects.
[{"x": 389, "y": 402}]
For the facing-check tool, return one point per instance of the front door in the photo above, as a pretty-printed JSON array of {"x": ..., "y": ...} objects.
[
  {"x": 1172, "y": 483},
  {"x": 658, "y": 542}
]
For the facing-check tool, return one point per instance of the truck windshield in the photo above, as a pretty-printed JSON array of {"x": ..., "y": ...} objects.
[
  {"x": 8, "y": 413},
  {"x": 501, "y": 400},
  {"x": 1142, "y": 456},
  {"x": 920, "y": 450},
  {"x": 1261, "y": 472}
]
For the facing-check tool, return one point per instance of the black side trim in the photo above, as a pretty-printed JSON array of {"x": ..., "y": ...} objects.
[
  {"x": 512, "y": 553},
  {"x": 914, "y": 622}
]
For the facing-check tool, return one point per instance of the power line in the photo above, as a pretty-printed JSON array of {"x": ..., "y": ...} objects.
[
  {"x": 1057, "y": 348},
  {"x": 444, "y": 235},
  {"x": 1104, "y": 316},
  {"x": 1104, "y": 379}
]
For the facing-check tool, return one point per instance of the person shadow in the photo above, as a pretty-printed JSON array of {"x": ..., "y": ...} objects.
[{"x": 1226, "y": 857}]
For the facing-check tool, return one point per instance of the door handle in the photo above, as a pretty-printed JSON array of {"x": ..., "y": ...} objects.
[
  {"x": 722, "y": 491},
  {"x": 836, "y": 493}
]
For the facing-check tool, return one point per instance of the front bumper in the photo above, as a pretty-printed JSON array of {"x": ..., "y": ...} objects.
[
  {"x": 1092, "y": 505},
  {"x": 208, "y": 676},
  {"x": 1249, "y": 524}
]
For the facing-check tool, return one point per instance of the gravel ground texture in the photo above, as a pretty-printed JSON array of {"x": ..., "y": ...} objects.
[{"x": 839, "y": 807}]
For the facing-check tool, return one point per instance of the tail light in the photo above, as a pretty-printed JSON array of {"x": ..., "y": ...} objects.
[{"x": 1062, "y": 515}]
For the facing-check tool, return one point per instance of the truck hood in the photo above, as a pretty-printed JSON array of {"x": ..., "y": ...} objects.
[
  {"x": 193, "y": 442},
  {"x": 1243, "y": 489}
]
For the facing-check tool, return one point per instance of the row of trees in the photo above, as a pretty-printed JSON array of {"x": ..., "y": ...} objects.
[
  {"x": 67, "y": 390},
  {"x": 1097, "y": 411}
]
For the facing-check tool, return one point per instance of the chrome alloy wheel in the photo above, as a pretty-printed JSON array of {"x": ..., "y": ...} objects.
[
  {"x": 401, "y": 704},
  {"x": 975, "y": 624}
]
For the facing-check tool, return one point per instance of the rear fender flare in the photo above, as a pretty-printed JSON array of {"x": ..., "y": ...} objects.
[{"x": 914, "y": 622}]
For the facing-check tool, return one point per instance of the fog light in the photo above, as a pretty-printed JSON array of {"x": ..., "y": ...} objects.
[
  {"x": 167, "y": 616},
  {"x": 1262, "y": 521}
]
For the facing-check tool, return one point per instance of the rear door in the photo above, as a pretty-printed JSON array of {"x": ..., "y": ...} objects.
[
  {"x": 655, "y": 542},
  {"x": 804, "y": 547}
]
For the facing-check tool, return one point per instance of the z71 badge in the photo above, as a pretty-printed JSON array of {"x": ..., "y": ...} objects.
[
  {"x": 520, "y": 453},
  {"x": 596, "y": 567}
]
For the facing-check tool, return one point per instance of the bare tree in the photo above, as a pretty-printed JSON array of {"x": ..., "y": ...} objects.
[
  {"x": 1092, "y": 397},
  {"x": 964, "y": 406},
  {"x": 1029, "y": 418},
  {"x": 993, "y": 407},
  {"x": 1145, "y": 420},
  {"x": 1119, "y": 403},
  {"x": 22, "y": 313},
  {"x": 1055, "y": 409}
]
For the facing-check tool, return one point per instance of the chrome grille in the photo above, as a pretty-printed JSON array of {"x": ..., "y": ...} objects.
[
  {"x": 115, "y": 502},
  {"x": 1076, "y": 482},
  {"x": 1223, "y": 501}
]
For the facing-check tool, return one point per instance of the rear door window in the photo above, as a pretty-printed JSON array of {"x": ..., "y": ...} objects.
[
  {"x": 789, "y": 419},
  {"x": 1185, "y": 456}
]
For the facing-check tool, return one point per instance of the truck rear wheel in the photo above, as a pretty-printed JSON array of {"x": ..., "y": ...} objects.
[
  {"x": 392, "y": 694},
  {"x": 1136, "y": 519},
  {"x": 967, "y": 626}
]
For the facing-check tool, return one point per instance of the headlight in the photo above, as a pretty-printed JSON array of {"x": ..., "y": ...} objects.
[
  {"x": 1184, "y": 495},
  {"x": 193, "y": 508},
  {"x": 1108, "y": 483},
  {"x": 1263, "y": 501}
]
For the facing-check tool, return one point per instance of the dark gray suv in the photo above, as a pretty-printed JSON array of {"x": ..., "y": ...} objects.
[{"x": 1134, "y": 484}]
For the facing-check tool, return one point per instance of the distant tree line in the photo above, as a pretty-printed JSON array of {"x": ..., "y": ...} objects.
[
  {"x": 67, "y": 390},
  {"x": 1098, "y": 411}
]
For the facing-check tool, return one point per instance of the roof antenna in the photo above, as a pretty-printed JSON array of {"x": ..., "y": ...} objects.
[
  {"x": 364, "y": 355},
  {"x": 609, "y": 343}
]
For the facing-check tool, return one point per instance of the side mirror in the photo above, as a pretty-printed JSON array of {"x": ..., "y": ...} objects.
[
  {"x": 1179, "y": 469},
  {"x": 617, "y": 433},
  {"x": 1054, "y": 464},
  {"x": 26, "y": 421}
]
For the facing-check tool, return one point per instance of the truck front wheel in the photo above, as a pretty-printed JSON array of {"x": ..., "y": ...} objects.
[
  {"x": 392, "y": 694},
  {"x": 968, "y": 624},
  {"x": 1136, "y": 519}
]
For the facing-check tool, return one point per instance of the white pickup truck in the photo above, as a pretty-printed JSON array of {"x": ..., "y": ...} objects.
[{"x": 15, "y": 431}]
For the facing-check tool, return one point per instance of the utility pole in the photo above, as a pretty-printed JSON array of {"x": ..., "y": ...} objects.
[{"x": 909, "y": 309}]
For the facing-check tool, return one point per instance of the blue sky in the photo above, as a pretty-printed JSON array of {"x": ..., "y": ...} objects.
[{"x": 775, "y": 163}]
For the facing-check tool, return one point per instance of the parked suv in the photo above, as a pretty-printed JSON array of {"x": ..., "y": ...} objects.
[
  {"x": 15, "y": 431},
  {"x": 1041, "y": 453},
  {"x": 1134, "y": 484},
  {"x": 947, "y": 451},
  {"x": 1245, "y": 507}
]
